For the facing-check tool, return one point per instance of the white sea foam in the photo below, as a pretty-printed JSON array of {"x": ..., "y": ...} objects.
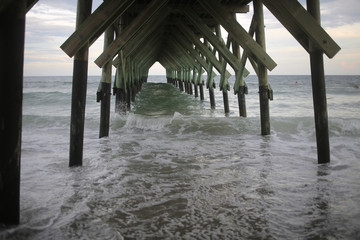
[{"x": 174, "y": 168}]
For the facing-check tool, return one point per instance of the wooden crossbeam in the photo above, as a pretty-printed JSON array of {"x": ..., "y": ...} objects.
[
  {"x": 141, "y": 49},
  {"x": 95, "y": 25},
  {"x": 219, "y": 12},
  {"x": 204, "y": 50},
  {"x": 302, "y": 25},
  {"x": 147, "y": 50},
  {"x": 178, "y": 36},
  {"x": 146, "y": 31},
  {"x": 214, "y": 40},
  {"x": 129, "y": 31},
  {"x": 190, "y": 59}
]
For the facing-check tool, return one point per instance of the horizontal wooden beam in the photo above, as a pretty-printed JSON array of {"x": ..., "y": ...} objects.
[
  {"x": 219, "y": 12},
  {"x": 95, "y": 25},
  {"x": 232, "y": 8},
  {"x": 302, "y": 25}
]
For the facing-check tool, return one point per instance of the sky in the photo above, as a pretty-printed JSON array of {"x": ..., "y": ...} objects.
[{"x": 50, "y": 22}]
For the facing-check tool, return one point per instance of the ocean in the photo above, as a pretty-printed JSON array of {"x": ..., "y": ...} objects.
[{"x": 173, "y": 168}]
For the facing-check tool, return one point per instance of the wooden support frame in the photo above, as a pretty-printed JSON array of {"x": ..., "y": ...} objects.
[
  {"x": 201, "y": 47},
  {"x": 214, "y": 40},
  {"x": 79, "y": 87},
  {"x": 319, "y": 91},
  {"x": 189, "y": 47},
  {"x": 92, "y": 28},
  {"x": 237, "y": 32},
  {"x": 145, "y": 33},
  {"x": 305, "y": 29},
  {"x": 130, "y": 31},
  {"x": 105, "y": 91},
  {"x": 262, "y": 71},
  {"x": 4, "y": 4}
]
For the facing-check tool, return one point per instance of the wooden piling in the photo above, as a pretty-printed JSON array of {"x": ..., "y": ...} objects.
[
  {"x": 201, "y": 84},
  {"x": 12, "y": 31},
  {"x": 79, "y": 86},
  {"x": 241, "y": 90},
  {"x": 180, "y": 80},
  {"x": 319, "y": 91},
  {"x": 128, "y": 98},
  {"x": 223, "y": 78},
  {"x": 241, "y": 101},
  {"x": 201, "y": 88},
  {"x": 262, "y": 71},
  {"x": 120, "y": 101},
  {"x": 212, "y": 98},
  {"x": 195, "y": 81},
  {"x": 211, "y": 86},
  {"x": 106, "y": 88}
]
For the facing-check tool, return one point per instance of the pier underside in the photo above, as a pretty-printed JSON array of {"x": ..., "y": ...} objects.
[{"x": 184, "y": 36}]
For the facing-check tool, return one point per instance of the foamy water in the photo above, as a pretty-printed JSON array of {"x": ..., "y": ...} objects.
[{"x": 173, "y": 168}]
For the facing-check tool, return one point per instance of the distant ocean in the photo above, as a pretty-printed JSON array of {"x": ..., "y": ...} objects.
[{"x": 173, "y": 168}]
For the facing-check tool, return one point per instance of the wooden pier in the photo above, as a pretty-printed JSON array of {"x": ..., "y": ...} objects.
[{"x": 184, "y": 36}]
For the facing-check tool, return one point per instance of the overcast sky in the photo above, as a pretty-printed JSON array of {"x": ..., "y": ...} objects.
[{"x": 50, "y": 22}]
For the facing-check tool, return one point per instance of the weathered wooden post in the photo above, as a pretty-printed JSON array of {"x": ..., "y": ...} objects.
[
  {"x": 201, "y": 84},
  {"x": 12, "y": 31},
  {"x": 79, "y": 87},
  {"x": 241, "y": 89},
  {"x": 223, "y": 80},
  {"x": 105, "y": 91},
  {"x": 211, "y": 85},
  {"x": 319, "y": 91},
  {"x": 189, "y": 81},
  {"x": 195, "y": 82},
  {"x": 120, "y": 99},
  {"x": 201, "y": 87},
  {"x": 262, "y": 71},
  {"x": 180, "y": 80}
]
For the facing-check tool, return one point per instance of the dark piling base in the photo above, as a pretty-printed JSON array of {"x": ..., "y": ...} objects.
[
  {"x": 319, "y": 92},
  {"x": 105, "y": 109},
  {"x": 120, "y": 101},
  {"x": 12, "y": 31},
  {"x": 226, "y": 102},
  {"x": 128, "y": 98},
  {"x": 320, "y": 106},
  {"x": 196, "y": 90},
  {"x": 264, "y": 110},
  {"x": 212, "y": 98},
  {"x": 241, "y": 101},
  {"x": 181, "y": 85},
  {"x": 78, "y": 103},
  {"x": 201, "y": 87},
  {"x": 79, "y": 87}
]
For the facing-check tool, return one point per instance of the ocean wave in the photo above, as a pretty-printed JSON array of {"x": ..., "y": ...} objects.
[
  {"x": 178, "y": 124},
  {"x": 38, "y": 121},
  {"x": 344, "y": 127}
]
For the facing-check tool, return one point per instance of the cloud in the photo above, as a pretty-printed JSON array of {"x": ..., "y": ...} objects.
[
  {"x": 338, "y": 13},
  {"x": 51, "y": 22},
  {"x": 48, "y": 24}
]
